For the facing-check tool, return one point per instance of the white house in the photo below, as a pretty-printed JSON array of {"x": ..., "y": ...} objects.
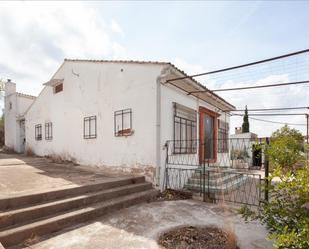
[
  {"x": 242, "y": 149},
  {"x": 15, "y": 106},
  {"x": 117, "y": 115}
]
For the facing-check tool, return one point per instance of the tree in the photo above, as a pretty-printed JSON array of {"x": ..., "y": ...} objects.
[
  {"x": 286, "y": 215},
  {"x": 286, "y": 148},
  {"x": 245, "y": 124}
]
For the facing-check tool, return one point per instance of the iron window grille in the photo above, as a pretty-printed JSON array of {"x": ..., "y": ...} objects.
[
  {"x": 90, "y": 127},
  {"x": 123, "y": 122},
  {"x": 223, "y": 135},
  {"x": 49, "y": 131},
  {"x": 38, "y": 132},
  {"x": 185, "y": 130}
]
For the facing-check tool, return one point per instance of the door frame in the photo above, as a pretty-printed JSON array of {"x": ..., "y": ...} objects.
[{"x": 214, "y": 115}]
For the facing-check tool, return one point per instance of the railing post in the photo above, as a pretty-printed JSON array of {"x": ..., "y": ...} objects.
[
  {"x": 166, "y": 167},
  {"x": 266, "y": 172},
  {"x": 204, "y": 180},
  {"x": 208, "y": 178}
]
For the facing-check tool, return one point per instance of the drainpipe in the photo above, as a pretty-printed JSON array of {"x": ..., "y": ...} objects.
[{"x": 160, "y": 79}]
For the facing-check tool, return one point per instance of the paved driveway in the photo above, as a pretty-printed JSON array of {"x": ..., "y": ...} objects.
[{"x": 24, "y": 175}]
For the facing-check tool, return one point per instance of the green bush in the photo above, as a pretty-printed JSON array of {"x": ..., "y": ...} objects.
[
  {"x": 286, "y": 215},
  {"x": 286, "y": 148}
]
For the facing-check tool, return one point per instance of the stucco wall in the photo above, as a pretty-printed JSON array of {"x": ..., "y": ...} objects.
[
  {"x": 96, "y": 89},
  {"x": 15, "y": 105},
  {"x": 100, "y": 89},
  {"x": 10, "y": 122}
]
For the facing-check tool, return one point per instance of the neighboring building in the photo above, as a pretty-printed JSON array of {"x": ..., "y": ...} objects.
[
  {"x": 119, "y": 114},
  {"x": 243, "y": 153},
  {"x": 15, "y": 106}
]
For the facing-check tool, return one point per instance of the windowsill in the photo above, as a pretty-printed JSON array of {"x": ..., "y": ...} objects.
[
  {"x": 124, "y": 133},
  {"x": 90, "y": 137}
]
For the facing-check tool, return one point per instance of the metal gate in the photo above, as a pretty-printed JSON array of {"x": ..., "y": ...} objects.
[{"x": 233, "y": 176}]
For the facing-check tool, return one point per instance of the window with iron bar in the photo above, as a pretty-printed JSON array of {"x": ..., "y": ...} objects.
[
  {"x": 185, "y": 130},
  {"x": 223, "y": 137},
  {"x": 49, "y": 131},
  {"x": 38, "y": 132},
  {"x": 123, "y": 122},
  {"x": 90, "y": 127}
]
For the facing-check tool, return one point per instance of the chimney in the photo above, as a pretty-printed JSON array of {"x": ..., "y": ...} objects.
[{"x": 9, "y": 87}]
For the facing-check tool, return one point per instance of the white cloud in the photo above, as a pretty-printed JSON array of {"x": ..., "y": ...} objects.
[
  {"x": 115, "y": 27},
  {"x": 37, "y": 36}
]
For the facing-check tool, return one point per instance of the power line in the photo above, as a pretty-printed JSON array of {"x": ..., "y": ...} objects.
[
  {"x": 241, "y": 66},
  {"x": 275, "y": 122},
  {"x": 273, "y": 109},
  {"x": 252, "y": 87},
  {"x": 272, "y": 114}
]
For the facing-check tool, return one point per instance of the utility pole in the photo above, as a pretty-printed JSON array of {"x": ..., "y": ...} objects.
[
  {"x": 307, "y": 117},
  {"x": 307, "y": 138}
]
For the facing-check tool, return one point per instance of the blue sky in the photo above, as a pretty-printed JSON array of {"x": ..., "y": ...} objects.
[{"x": 196, "y": 36}]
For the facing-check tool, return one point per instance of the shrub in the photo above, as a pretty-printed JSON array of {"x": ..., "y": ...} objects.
[{"x": 286, "y": 215}]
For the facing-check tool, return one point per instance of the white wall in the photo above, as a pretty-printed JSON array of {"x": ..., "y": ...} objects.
[
  {"x": 10, "y": 113},
  {"x": 99, "y": 89},
  {"x": 15, "y": 105}
]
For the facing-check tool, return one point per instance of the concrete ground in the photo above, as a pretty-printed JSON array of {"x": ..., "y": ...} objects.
[
  {"x": 140, "y": 226},
  {"x": 135, "y": 227},
  {"x": 21, "y": 175}
]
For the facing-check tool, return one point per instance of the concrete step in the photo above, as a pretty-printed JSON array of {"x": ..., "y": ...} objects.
[
  {"x": 16, "y": 235},
  {"x": 28, "y": 214},
  {"x": 33, "y": 199},
  {"x": 218, "y": 188},
  {"x": 223, "y": 179}
]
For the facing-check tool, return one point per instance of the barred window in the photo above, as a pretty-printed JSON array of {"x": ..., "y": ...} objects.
[
  {"x": 184, "y": 130},
  {"x": 123, "y": 122},
  {"x": 223, "y": 135},
  {"x": 49, "y": 131},
  {"x": 38, "y": 132},
  {"x": 90, "y": 127}
]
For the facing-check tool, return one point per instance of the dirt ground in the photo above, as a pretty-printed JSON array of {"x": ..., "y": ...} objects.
[
  {"x": 140, "y": 226},
  {"x": 198, "y": 238},
  {"x": 24, "y": 175}
]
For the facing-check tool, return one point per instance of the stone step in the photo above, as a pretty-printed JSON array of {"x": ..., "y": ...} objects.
[
  {"x": 218, "y": 188},
  {"x": 224, "y": 179},
  {"x": 33, "y": 199},
  {"x": 28, "y": 214},
  {"x": 17, "y": 235}
]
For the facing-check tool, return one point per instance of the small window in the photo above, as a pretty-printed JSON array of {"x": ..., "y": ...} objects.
[
  {"x": 49, "y": 131},
  {"x": 223, "y": 135},
  {"x": 123, "y": 122},
  {"x": 58, "y": 88},
  {"x": 38, "y": 132},
  {"x": 185, "y": 141},
  {"x": 90, "y": 127},
  {"x": 10, "y": 106}
]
